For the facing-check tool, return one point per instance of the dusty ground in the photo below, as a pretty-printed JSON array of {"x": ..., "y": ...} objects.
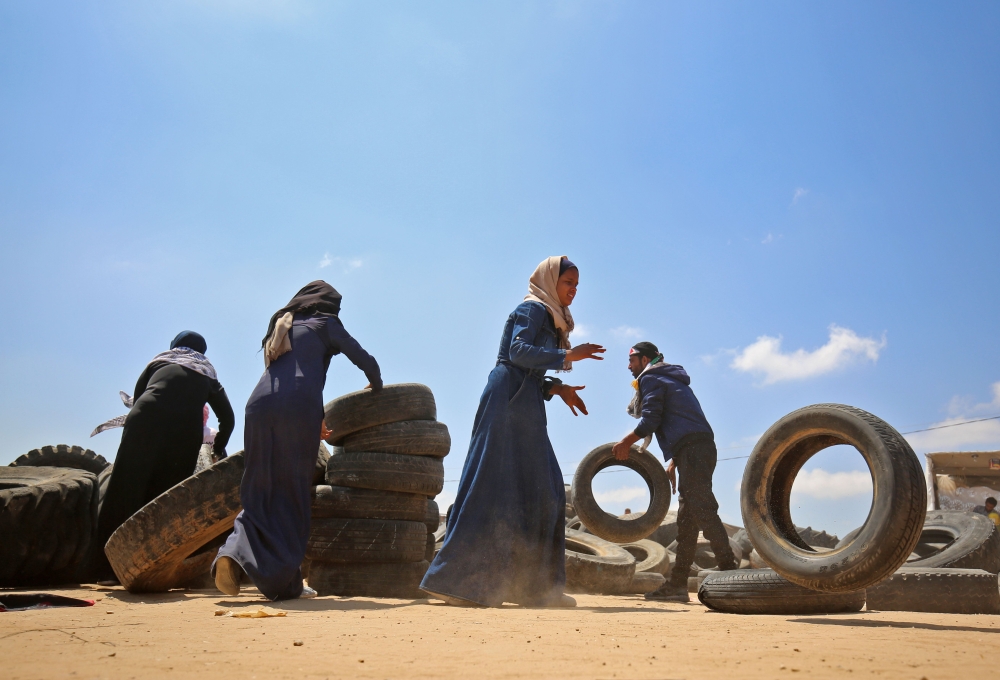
[{"x": 178, "y": 635}]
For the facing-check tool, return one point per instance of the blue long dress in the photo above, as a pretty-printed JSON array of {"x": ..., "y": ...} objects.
[
  {"x": 506, "y": 534},
  {"x": 281, "y": 440}
]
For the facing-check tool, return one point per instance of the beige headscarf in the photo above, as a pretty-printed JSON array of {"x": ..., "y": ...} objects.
[{"x": 542, "y": 288}]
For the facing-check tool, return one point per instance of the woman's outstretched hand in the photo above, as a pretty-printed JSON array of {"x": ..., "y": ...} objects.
[
  {"x": 585, "y": 351},
  {"x": 572, "y": 399}
]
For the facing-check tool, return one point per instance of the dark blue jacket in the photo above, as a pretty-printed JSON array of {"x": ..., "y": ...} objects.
[{"x": 669, "y": 408}]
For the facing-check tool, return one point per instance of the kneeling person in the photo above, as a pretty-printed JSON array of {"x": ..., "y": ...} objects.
[{"x": 666, "y": 406}]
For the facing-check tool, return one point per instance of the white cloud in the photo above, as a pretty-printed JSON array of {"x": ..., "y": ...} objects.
[
  {"x": 627, "y": 332},
  {"x": 984, "y": 435},
  {"x": 818, "y": 483},
  {"x": 581, "y": 333},
  {"x": 622, "y": 494},
  {"x": 326, "y": 261},
  {"x": 765, "y": 356},
  {"x": 799, "y": 193},
  {"x": 768, "y": 238},
  {"x": 346, "y": 265}
]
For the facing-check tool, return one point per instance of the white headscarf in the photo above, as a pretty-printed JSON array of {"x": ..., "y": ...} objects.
[{"x": 542, "y": 287}]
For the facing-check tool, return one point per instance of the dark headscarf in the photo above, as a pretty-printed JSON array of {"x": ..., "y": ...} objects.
[
  {"x": 318, "y": 296},
  {"x": 191, "y": 340},
  {"x": 565, "y": 264}
]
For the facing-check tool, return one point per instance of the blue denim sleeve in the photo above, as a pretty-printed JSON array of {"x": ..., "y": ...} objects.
[
  {"x": 528, "y": 320},
  {"x": 652, "y": 406},
  {"x": 343, "y": 342}
]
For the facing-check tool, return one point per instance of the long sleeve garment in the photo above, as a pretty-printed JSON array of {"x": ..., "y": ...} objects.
[
  {"x": 160, "y": 442},
  {"x": 505, "y": 539},
  {"x": 281, "y": 440},
  {"x": 670, "y": 409}
]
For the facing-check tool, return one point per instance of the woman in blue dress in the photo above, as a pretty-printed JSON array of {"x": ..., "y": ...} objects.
[
  {"x": 281, "y": 438},
  {"x": 505, "y": 539}
]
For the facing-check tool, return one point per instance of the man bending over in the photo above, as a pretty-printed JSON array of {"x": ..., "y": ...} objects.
[{"x": 666, "y": 406}]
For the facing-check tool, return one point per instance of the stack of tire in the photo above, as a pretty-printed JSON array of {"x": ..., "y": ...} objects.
[
  {"x": 49, "y": 503},
  {"x": 373, "y": 522}
]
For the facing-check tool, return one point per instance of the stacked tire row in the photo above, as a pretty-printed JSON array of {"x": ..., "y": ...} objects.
[{"x": 373, "y": 522}]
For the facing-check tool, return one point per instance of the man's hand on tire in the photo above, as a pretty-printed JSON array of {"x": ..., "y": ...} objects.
[{"x": 622, "y": 448}]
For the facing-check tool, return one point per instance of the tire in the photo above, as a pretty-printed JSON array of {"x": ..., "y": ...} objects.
[
  {"x": 386, "y": 472},
  {"x": 605, "y": 525},
  {"x": 332, "y": 539},
  {"x": 64, "y": 456},
  {"x": 704, "y": 556},
  {"x": 48, "y": 520},
  {"x": 322, "y": 457},
  {"x": 970, "y": 541},
  {"x": 148, "y": 551},
  {"x": 899, "y": 497},
  {"x": 649, "y": 557},
  {"x": 430, "y": 549},
  {"x": 644, "y": 582},
  {"x": 944, "y": 591},
  {"x": 400, "y": 581},
  {"x": 764, "y": 591},
  {"x": 432, "y": 520},
  {"x": 666, "y": 533},
  {"x": 347, "y": 503},
  {"x": 407, "y": 437},
  {"x": 364, "y": 409},
  {"x": 594, "y": 565}
]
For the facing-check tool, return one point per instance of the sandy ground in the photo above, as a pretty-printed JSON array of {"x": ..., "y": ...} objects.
[{"x": 178, "y": 634}]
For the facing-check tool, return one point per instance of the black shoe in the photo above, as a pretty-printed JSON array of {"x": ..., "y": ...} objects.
[{"x": 669, "y": 593}]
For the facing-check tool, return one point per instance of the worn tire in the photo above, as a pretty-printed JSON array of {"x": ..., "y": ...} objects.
[
  {"x": 666, "y": 533},
  {"x": 971, "y": 542},
  {"x": 64, "y": 456},
  {"x": 945, "y": 591},
  {"x": 148, "y": 551},
  {"x": 400, "y": 581},
  {"x": 649, "y": 556},
  {"x": 364, "y": 409},
  {"x": 347, "y": 503},
  {"x": 594, "y": 565},
  {"x": 407, "y": 437},
  {"x": 606, "y": 525},
  {"x": 764, "y": 591},
  {"x": 432, "y": 520},
  {"x": 893, "y": 525},
  {"x": 320, "y": 472},
  {"x": 332, "y": 539},
  {"x": 644, "y": 582},
  {"x": 48, "y": 520},
  {"x": 386, "y": 472}
]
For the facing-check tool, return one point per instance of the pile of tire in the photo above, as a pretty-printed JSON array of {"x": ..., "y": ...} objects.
[
  {"x": 50, "y": 499},
  {"x": 373, "y": 521}
]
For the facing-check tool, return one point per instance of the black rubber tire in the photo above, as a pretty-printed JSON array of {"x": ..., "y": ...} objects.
[
  {"x": 347, "y": 503},
  {"x": 364, "y": 409},
  {"x": 606, "y": 525},
  {"x": 432, "y": 520},
  {"x": 400, "y": 581},
  {"x": 332, "y": 539},
  {"x": 892, "y": 528},
  {"x": 945, "y": 591},
  {"x": 594, "y": 565},
  {"x": 666, "y": 533},
  {"x": 644, "y": 582},
  {"x": 386, "y": 472},
  {"x": 64, "y": 456},
  {"x": 430, "y": 549},
  {"x": 764, "y": 591},
  {"x": 972, "y": 542},
  {"x": 48, "y": 519},
  {"x": 324, "y": 455},
  {"x": 649, "y": 556},
  {"x": 407, "y": 437},
  {"x": 704, "y": 556},
  {"x": 148, "y": 551}
]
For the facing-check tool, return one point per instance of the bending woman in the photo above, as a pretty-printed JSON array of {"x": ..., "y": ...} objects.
[
  {"x": 506, "y": 537},
  {"x": 163, "y": 433},
  {"x": 281, "y": 439}
]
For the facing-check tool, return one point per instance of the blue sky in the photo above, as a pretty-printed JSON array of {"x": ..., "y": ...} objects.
[{"x": 796, "y": 201}]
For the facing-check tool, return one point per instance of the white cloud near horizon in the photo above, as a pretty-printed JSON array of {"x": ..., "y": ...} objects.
[
  {"x": 983, "y": 435},
  {"x": 818, "y": 483},
  {"x": 622, "y": 494},
  {"x": 844, "y": 346},
  {"x": 627, "y": 332}
]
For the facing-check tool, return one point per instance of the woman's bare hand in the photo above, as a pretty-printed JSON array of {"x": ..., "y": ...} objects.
[
  {"x": 585, "y": 351},
  {"x": 572, "y": 399}
]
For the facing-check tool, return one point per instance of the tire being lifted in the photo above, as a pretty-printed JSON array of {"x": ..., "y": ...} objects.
[
  {"x": 64, "y": 456},
  {"x": 149, "y": 550},
  {"x": 364, "y": 409},
  {"x": 606, "y": 525},
  {"x": 764, "y": 591},
  {"x": 899, "y": 497}
]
